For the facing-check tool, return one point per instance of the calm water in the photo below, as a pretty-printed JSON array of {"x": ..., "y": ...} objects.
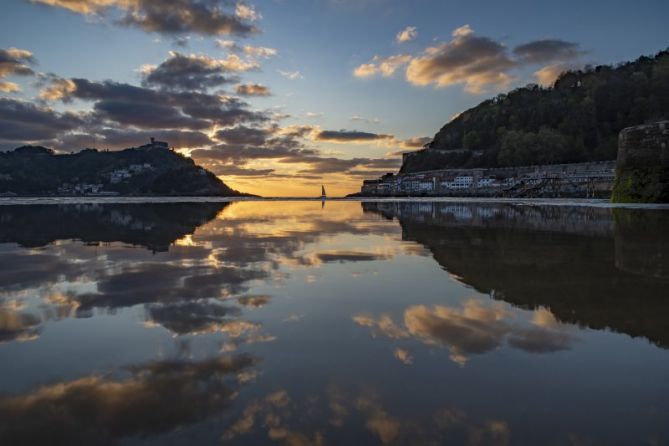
[{"x": 358, "y": 323}]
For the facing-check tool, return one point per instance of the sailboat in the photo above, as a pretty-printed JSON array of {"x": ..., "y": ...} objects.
[{"x": 323, "y": 195}]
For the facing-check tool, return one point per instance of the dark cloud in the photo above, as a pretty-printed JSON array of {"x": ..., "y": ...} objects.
[
  {"x": 122, "y": 138},
  {"x": 147, "y": 115},
  {"x": 189, "y": 72},
  {"x": 252, "y": 90},
  {"x": 170, "y": 17},
  {"x": 547, "y": 50},
  {"x": 147, "y": 108},
  {"x": 27, "y": 122},
  {"x": 230, "y": 169},
  {"x": 349, "y": 136},
  {"x": 222, "y": 110},
  {"x": 245, "y": 135},
  {"x": 14, "y": 61},
  {"x": 241, "y": 144}
]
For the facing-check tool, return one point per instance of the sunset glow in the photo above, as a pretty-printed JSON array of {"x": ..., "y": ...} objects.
[{"x": 272, "y": 96}]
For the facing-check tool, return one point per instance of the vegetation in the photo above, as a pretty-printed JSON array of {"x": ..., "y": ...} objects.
[
  {"x": 641, "y": 185},
  {"x": 575, "y": 120},
  {"x": 35, "y": 170}
]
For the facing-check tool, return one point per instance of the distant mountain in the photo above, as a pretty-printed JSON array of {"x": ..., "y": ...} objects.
[
  {"x": 152, "y": 169},
  {"x": 577, "y": 119}
]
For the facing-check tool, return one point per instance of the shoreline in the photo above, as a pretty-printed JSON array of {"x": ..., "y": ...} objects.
[{"x": 579, "y": 202}]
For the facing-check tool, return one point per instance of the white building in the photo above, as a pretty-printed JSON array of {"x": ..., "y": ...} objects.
[
  {"x": 459, "y": 182},
  {"x": 486, "y": 182}
]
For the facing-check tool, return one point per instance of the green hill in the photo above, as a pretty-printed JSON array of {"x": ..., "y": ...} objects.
[
  {"x": 152, "y": 169},
  {"x": 575, "y": 120}
]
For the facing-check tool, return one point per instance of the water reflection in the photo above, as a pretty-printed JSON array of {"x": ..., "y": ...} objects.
[
  {"x": 475, "y": 328},
  {"x": 154, "y": 226},
  {"x": 289, "y": 323},
  {"x": 339, "y": 416},
  {"x": 553, "y": 257},
  {"x": 152, "y": 398}
]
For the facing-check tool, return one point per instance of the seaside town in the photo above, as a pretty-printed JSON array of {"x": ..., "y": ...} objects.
[{"x": 588, "y": 180}]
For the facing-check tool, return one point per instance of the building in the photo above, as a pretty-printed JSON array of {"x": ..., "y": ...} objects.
[
  {"x": 162, "y": 145},
  {"x": 577, "y": 179}
]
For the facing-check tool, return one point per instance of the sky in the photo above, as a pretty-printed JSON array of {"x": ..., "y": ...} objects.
[{"x": 280, "y": 96}]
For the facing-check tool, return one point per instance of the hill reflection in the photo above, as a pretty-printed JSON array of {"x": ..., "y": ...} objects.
[
  {"x": 154, "y": 226},
  {"x": 583, "y": 264}
]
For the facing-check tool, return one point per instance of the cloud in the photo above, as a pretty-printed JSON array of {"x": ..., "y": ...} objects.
[
  {"x": 238, "y": 171},
  {"x": 123, "y": 138},
  {"x": 249, "y": 50},
  {"x": 407, "y": 34},
  {"x": 57, "y": 89},
  {"x": 349, "y": 136},
  {"x": 416, "y": 142},
  {"x": 547, "y": 50},
  {"x": 357, "y": 118},
  {"x": 478, "y": 63},
  {"x": 15, "y": 62},
  {"x": 324, "y": 165},
  {"x": 9, "y": 87},
  {"x": 252, "y": 90},
  {"x": 379, "y": 65},
  {"x": 170, "y": 17},
  {"x": 246, "y": 12},
  {"x": 292, "y": 75},
  {"x": 22, "y": 121},
  {"x": 147, "y": 108},
  {"x": 194, "y": 72},
  {"x": 547, "y": 75},
  {"x": 241, "y": 144},
  {"x": 147, "y": 115},
  {"x": 245, "y": 135},
  {"x": 403, "y": 355},
  {"x": 259, "y": 51}
]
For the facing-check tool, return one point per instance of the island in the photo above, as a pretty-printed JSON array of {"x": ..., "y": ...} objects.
[{"x": 153, "y": 169}]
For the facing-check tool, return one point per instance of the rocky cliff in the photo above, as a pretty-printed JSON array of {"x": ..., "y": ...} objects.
[{"x": 642, "y": 169}]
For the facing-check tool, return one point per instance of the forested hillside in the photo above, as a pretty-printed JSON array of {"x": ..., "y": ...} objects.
[
  {"x": 577, "y": 119},
  {"x": 35, "y": 170}
]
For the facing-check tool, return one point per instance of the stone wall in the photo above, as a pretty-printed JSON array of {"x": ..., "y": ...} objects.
[{"x": 642, "y": 169}]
